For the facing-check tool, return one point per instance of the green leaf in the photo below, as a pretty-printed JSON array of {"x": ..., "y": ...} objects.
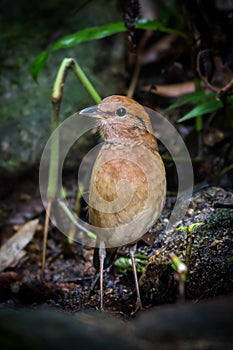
[
  {"x": 38, "y": 64},
  {"x": 194, "y": 97},
  {"x": 204, "y": 108},
  {"x": 195, "y": 225},
  {"x": 94, "y": 33},
  {"x": 124, "y": 264},
  {"x": 87, "y": 34},
  {"x": 190, "y": 228},
  {"x": 226, "y": 169},
  {"x": 156, "y": 25},
  {"x": 174, "y": 267},
  {"x": 141, "y": 256}
]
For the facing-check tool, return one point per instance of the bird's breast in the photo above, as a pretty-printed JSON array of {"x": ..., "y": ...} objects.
[{"x": 127, "y": 181}]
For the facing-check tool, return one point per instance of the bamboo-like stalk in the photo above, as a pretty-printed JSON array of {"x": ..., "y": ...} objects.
[{"x": 53, "y": 190}]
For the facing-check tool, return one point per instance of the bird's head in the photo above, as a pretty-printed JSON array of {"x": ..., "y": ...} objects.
[{"x": 122, "y": 119}]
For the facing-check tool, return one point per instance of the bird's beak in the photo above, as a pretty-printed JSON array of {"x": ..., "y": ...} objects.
[{"x": 92, "y": 112}]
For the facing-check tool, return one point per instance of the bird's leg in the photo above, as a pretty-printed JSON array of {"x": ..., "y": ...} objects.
[
  {"x": 102, "y": 255},
  {"x": 138, "y": 305}
]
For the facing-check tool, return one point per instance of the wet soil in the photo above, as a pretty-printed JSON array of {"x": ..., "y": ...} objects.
[{"x": 69, "y": 276}]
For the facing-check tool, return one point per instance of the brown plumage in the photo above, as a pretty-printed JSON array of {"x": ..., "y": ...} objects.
[{"x": 128, "y": 183}]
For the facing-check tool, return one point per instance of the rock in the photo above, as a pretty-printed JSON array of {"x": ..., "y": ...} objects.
[
  {"x": 25, "y": 106},
  {"x": 205, "y": 326},
  {"x": 45, "y": 329},
  {"x": 211, "y": 265}
]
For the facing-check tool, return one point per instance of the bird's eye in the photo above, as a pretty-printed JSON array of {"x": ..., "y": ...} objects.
[{"x": 121, "y": 112}]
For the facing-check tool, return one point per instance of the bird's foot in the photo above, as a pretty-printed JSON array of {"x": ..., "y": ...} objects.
[
  {"x": 101, "y": 307},
  {"x": 113, "y": 312},
  {"x": 138, "y": 307}
]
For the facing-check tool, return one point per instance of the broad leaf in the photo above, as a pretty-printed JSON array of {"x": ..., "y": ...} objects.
[
  {"x": 95, "y": 33},
  {"x": 194, "y": 97},
  {"x": 87, "y": 34},
  {"x": 38, "y": 64},
  {"x": 204, "y": 108},
  {"x": 156, "y": 25}
]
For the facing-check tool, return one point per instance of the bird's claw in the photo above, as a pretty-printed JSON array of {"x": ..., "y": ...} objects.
[{"x": 138, "y": 307}]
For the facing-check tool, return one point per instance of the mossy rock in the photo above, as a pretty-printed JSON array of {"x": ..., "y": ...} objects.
[{"x": 25, "y": 105}]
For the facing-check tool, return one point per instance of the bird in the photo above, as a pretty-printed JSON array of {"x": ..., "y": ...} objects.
[{"x": 127, "y": 187}]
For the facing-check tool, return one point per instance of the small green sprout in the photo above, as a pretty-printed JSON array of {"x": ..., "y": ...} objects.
[
  {"x": 179, "y": 266},
  {"x": 124, "y": 264},
  {"x": 189, "y": 240},
  {"x": 181, "y": 274}
]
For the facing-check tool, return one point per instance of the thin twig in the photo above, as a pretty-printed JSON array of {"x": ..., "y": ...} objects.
[{"x": 45, "y": 238}]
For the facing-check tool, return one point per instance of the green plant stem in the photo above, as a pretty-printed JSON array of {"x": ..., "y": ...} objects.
[
  {"x": 54, "y": 190},
  {"x": 181, "y": 273},
  {"x": 85, "y": 81},
  {"x": 54, "y": 156},
  {"x": 56, "y": 98},
  {"x": 70, "y": 63}
]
